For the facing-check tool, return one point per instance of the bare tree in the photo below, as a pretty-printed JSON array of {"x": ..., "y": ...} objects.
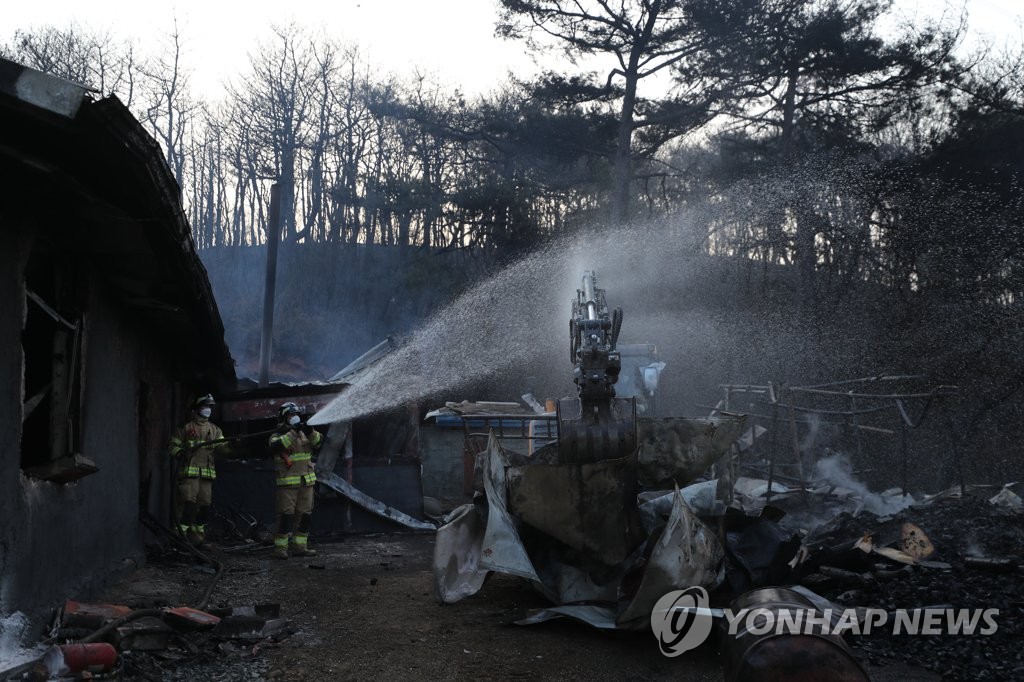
[
  {"x": 276, "y": 100},
  {"x": 77, "y": 54},
  {"x": 356, "y": 162},
  {"x": 169, "y": 108}
]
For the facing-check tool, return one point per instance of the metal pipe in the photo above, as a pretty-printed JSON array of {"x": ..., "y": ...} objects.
[
  {"x": 864, "y": 380},
  {"x": 114, "y": 624},
  {"x": 588, "y": 294},
  {"x": 939, "y": 391},
  {"x": 273, "y": 236},
  {"x": 863, "y": 427},
  {"x": 796, "y": 451}
]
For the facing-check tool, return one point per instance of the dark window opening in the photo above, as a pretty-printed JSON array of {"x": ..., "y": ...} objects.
[{"x": 51, "y": 343}]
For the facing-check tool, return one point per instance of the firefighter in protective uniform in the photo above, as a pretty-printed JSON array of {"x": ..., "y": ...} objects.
[
  {"x": 293, "y": 446},
  {"x": 194, "y": 454}
]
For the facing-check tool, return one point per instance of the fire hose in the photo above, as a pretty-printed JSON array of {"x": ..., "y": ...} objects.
[
  {"x": 232, "y": 439},
  {"x": 156, "y": 526},
  {"x": 103, "y": 631},
  {"x": 176, "y": 461}
]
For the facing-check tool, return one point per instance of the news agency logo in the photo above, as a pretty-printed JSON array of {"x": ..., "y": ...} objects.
[
  {"x": 681, "y": 620},
  {"x": 927, "y": 621}
]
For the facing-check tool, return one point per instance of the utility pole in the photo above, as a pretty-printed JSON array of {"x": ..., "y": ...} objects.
[{"x": 273, "y": 236}]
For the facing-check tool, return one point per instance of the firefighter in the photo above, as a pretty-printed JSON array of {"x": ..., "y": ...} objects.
[
  {"x": 194, "y": 453},
  {"x": 293, "y": 446}
]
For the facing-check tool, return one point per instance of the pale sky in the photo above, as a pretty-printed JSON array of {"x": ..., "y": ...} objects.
[{"x": 453, "y": 39}]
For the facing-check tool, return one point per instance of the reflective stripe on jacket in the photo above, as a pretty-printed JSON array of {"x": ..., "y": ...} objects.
[
  {"x": 198, "y": 463},
  {"x": 299, "y": 449}
]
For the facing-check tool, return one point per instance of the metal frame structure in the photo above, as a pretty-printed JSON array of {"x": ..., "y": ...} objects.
[{"x": 861, "y": 402}]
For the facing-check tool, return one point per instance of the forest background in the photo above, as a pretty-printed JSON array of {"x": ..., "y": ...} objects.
[{"x": 818, "y": 193}]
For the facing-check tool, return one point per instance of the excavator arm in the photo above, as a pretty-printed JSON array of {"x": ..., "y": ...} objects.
[{"x": 595, "y": 425}]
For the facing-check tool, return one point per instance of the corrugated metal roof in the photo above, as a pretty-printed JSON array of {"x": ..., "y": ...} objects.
[{"x": 354, "y": 368}]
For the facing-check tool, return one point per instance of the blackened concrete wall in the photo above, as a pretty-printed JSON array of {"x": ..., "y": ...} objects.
[
  {"x": 12, "y": 302},
  {"x": 61, "y": 541}
]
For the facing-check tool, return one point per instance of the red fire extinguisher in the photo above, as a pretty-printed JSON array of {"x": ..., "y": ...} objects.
[{"x": 97, "y": 657}]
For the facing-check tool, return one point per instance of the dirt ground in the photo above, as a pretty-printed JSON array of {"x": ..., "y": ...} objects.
[{"x": 363, "y": 609}]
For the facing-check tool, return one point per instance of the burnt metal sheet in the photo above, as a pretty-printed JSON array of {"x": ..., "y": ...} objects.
[
  {"x": 575, "y": 585},
  {"x": 676, "y": 450},
  {"x": 562, "y": 527},
  {"x": 686, "y": 554},
  {"x": 700, "y": 497},
  {"x": 333, "y": 446},
  {"x": 353, "y": 369},
  {"x": 601, "y": 617},
  {"x": 457, "y": 548},
  {"x": 503, "y": 550},
  {"x": 340, "y": 485},
  {"x": 586, "y": 506}
]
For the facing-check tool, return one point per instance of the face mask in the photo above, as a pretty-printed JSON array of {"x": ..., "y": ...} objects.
[
  {"x": 204, "y": 412},
  {"x": 293, "y": 420}
]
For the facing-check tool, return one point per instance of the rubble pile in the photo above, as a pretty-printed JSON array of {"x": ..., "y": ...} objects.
[
  {"x": 151, "y": 635},
  {"x": 977, "y": 564}
]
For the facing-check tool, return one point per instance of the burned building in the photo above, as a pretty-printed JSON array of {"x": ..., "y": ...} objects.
[{"x": 107, "y": 326}]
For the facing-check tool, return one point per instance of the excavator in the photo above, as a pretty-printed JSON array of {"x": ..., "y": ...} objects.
[
  {"x": 595, "y": 425},
  {"x": 567, "y": 517}
]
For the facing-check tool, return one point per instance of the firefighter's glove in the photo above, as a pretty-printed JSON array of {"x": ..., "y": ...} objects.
[{"x": 287, "y": 460}]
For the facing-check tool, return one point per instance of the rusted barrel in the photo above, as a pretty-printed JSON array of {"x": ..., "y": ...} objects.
[{"x": 753, "y": 655}]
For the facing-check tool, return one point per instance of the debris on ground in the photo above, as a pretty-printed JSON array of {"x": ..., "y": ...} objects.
[
  {"x": 360, "y": 619},
  {"x": 961, "y": 548},
  {"x": 977, "y": 550}
]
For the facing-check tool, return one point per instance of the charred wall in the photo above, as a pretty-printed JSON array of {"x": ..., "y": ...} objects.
[
  {"x": 106, "y": 313},
  {"x": 12, "y": 298},
  {"x": 61, "y": 540}
]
